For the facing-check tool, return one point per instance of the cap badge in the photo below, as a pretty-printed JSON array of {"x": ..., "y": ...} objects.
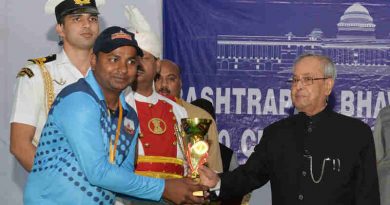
[
  {"x": 82, "y": 2},
  {"x": 121, "y": 34}
]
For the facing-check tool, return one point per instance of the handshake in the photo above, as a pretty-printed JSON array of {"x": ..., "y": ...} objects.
[{"x": 180, "y": 191}]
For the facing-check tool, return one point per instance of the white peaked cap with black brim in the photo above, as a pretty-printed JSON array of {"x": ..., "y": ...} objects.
[{"x": 63, "y": 7}]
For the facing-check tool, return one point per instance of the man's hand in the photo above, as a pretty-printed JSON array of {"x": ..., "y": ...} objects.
[
  {"x": 179, "y": 191},
  {"x": 208, "y": 177}
]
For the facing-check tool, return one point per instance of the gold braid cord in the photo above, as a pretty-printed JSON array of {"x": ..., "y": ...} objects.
[
  {"x": 159, "y": 175},
  {"x": 48, "y": 83}
]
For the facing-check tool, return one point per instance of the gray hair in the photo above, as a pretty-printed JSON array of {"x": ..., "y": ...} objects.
[{"x": 328, "y": 65}]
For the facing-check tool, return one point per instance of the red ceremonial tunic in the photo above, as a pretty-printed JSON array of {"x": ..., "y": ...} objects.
[{"x": 158, "y": 140}]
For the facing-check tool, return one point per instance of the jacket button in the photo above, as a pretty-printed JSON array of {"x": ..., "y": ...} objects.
[
  {"x": 300, "y": 197},
  {"x": 304, "y": 173}
]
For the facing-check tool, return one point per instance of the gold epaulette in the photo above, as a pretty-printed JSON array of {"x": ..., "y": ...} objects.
[
  {"x": 44, "y": 59},
  {"x": 47, "y": 80}
]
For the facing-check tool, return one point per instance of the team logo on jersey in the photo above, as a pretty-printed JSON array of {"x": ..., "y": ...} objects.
[{"x": 129, "y": 126}]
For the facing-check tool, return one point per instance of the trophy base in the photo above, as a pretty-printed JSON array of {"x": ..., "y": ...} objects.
[
  {"x": 195, "y": 177},
  {"x": 197, "y": 193}
]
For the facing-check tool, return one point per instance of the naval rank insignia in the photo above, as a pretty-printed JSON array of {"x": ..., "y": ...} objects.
[
  {"x": 157, "y": 126},
  {"x": 25, "y": 71}
]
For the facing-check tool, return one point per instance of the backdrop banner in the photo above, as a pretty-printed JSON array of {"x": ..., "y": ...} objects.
[{"x": 239, "y": 54}]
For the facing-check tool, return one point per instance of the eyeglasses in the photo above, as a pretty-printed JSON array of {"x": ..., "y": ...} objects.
[{"x": 307, "y": 80}]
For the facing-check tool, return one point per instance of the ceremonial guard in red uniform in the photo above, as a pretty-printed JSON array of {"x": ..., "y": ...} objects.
[{"x": 158, "y": 152}]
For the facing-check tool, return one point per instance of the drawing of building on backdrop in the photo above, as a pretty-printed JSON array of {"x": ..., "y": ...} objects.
[{"x": 355, "y": 48}]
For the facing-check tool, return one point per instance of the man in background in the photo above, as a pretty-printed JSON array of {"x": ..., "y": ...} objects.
[
  {"x": 159, "y": 155},
  {"x": 168, "y": 83},
  {"x": 43, "y": 78}
]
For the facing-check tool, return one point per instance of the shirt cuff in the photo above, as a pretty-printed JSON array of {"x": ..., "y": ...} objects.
[{"x": 217, "y": 187}]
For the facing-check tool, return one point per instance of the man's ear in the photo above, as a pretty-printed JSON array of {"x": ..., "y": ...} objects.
[
  {"x": 93, "y": 61},
  {"x": 60, "y": 30},
  {"x": 329, "y": 83},
  {"x": 158, "y": 65}
]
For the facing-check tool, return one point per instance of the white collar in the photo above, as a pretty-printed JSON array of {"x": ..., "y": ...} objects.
[
  {"x": 62, "y": 58},
  {"x": 153, "y": 98}
]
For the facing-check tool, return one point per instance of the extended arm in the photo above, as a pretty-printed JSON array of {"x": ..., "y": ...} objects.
[
  {"x": 79, "y": 117},
  {"x": 253, "y": 174}
]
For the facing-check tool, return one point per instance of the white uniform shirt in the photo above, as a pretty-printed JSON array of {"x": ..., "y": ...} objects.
[{"x": 29, "y": 96}]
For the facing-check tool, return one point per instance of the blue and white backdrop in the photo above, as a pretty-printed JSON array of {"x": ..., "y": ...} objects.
[{"x": 238, "y": 54}]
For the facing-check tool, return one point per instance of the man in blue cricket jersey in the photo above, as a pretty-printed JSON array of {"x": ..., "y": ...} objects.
[{"x": 87, "y": 148}]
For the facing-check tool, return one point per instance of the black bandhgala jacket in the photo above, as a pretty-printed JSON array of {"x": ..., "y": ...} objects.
[{"x": 326, "y": 159}]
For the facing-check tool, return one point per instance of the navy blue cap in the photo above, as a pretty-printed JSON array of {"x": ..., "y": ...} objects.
[
  {"x": 114, "y": 37},
  {"x": 75, "y": 6}
]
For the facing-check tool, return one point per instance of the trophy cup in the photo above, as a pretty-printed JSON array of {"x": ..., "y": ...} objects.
[{"x": 192, "y": 140}]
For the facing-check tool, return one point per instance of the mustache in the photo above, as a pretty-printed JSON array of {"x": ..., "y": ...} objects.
[
  {"x": 165, "y": 90},
  {"x": 140, "y": 68}
]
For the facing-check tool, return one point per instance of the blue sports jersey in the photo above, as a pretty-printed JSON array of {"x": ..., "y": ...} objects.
[{"x": 72, "y": 165}]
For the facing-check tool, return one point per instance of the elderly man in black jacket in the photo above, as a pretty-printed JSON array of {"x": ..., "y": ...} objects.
[{"x": 315, "y": 157}]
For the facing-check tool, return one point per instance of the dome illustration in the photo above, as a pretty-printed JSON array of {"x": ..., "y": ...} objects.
[
  {"x": 315, "y": 34},
  {"x": 356, "y": 22}
]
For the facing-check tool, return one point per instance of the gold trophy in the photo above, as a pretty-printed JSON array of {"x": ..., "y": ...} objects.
[{"x": 192, "y": 140}]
